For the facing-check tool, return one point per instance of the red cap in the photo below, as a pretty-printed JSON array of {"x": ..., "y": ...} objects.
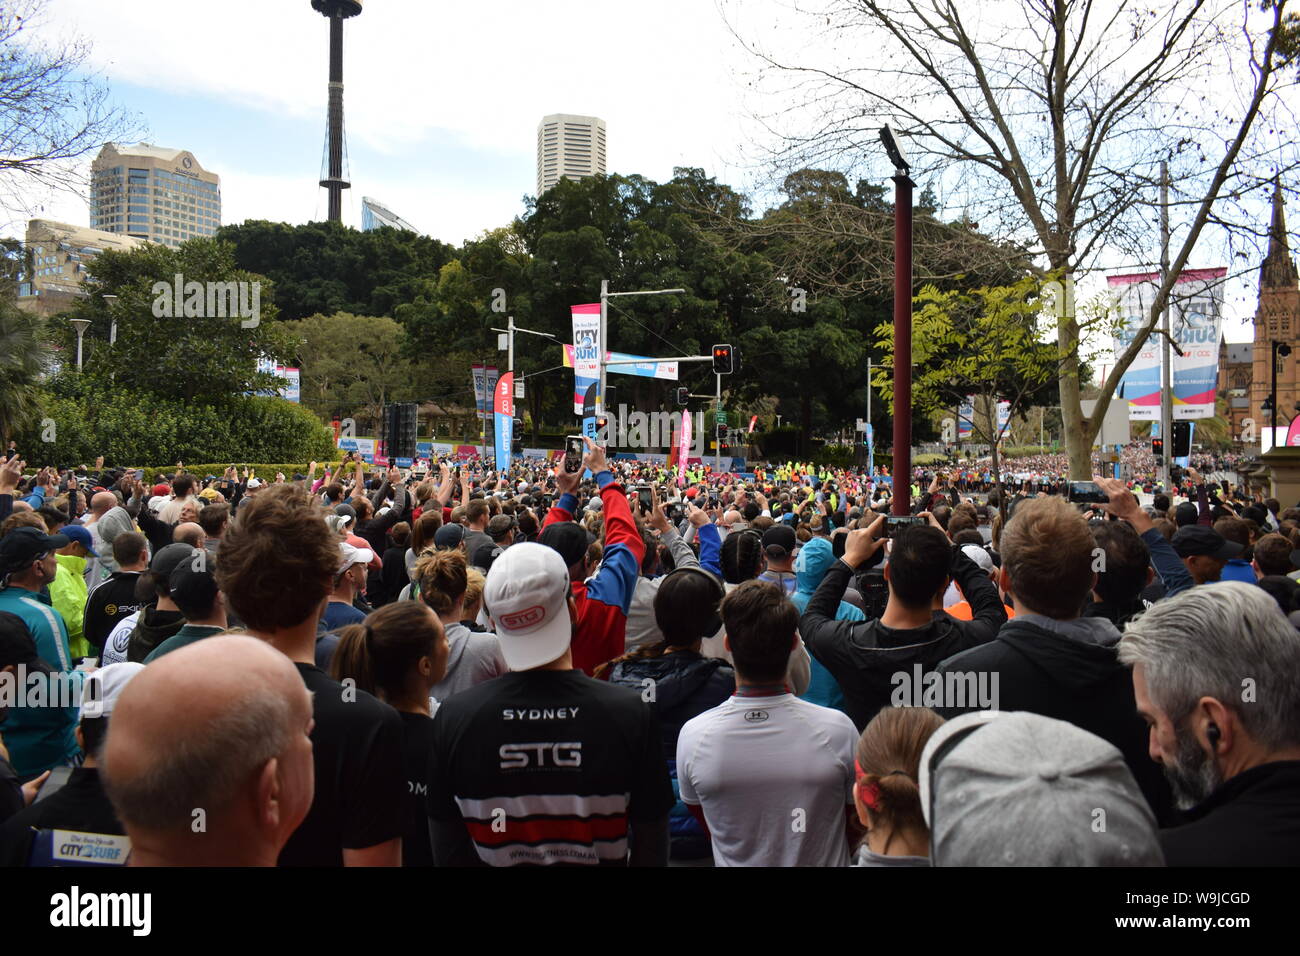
[{"x": 162, "y": 488}]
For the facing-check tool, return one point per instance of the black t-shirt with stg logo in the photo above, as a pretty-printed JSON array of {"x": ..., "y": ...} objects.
[{"x": 548, "y": 767}]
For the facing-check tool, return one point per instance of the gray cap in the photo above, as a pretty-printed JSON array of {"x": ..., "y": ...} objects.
[{"x": 1020, "y": 789}]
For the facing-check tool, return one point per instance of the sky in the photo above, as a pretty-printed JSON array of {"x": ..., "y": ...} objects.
[{"x": 441, "y": 101}]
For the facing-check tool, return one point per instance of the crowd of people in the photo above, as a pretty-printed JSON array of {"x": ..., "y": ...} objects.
[{"x": 629, "y": 664}]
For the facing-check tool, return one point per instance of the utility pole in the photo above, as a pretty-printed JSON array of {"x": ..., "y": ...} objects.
[
  {"x": 604, "y": 342},
  {"x": 717, "y": 439},
  {"x": 1166, "y": 389},
  {"x": 605, "y": 296}
]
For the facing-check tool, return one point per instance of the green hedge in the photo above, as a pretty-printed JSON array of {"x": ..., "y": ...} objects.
[{"x": 126, "y": 427}]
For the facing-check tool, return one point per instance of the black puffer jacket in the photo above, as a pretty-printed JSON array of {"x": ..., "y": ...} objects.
[{"x": 685, "y": 684}]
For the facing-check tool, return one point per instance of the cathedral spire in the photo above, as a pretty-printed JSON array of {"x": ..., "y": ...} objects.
[{"x": 1278, "y": 268}]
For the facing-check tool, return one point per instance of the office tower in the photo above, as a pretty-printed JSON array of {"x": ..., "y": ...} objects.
[
  {"x": 569, "y": 146},
  {"x": 149, "y": 192}
]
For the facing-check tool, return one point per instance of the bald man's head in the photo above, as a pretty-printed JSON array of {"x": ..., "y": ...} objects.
[
  {"x": 220, "y": 726},
  {"x": 189, "y": 533},
  {"x": 102, "y": 503}
]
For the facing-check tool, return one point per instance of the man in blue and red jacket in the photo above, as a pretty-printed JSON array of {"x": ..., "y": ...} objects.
[{"x": 602, "y": 600}]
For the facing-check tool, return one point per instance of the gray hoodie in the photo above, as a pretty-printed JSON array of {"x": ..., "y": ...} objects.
[
  {"x": 473, "y": 658},
  {"x": 115, "y": 521}
]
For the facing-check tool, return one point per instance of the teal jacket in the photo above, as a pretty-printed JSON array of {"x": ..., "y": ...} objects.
[{"x": 44, "y": 736}]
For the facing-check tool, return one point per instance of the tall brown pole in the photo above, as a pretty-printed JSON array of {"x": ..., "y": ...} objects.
[{"x": 902, "y": 343}]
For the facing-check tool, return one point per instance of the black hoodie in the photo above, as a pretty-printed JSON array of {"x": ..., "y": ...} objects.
[
  {"x": 151, "y": 629},
  {"x": 1070, "y": 672}
]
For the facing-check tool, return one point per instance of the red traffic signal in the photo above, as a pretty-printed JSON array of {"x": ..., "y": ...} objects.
[
  {"x": 1157, "y": 446},
  {"x": 722, "y": 361}
]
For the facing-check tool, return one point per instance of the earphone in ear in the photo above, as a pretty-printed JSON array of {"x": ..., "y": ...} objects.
[{"x": 1212, "y": 732}]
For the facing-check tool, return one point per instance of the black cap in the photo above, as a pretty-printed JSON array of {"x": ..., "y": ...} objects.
[
  {"x": 779, "y": 541},
  {"x": 449, "y": 536},
  {"x": 166, "y": 560},
  {"x": 1194, "y": 539},
  {"x": 192, "y": 591},
  {"x": 17, "y": 646},
  {"x": 20, "y": 547},
  {"x": 1186, "y": 514},
  {"x": 484, "y": 555},
  {"x": 568, "y": 538}
]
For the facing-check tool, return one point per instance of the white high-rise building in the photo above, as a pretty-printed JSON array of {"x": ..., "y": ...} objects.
[{"x": 569, "y": 147}]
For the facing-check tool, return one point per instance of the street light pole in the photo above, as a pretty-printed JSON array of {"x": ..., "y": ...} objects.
[
  {"x": 1276, "y": 348},
  {"x": 80, "y": 325},
  {"x": 901, "y": 503},
  {"x": 1166, "y": 390},
  {"x": 111, "y": 301}
]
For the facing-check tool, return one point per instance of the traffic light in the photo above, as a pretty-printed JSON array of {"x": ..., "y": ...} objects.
[
  {"x": 683, "y": 394},
  {"x": 722, "y": 362},
  {"x": 1182, "y": 439},
  {"x": 1157, "y": 446},
  {"x": 722, "y": 430}
]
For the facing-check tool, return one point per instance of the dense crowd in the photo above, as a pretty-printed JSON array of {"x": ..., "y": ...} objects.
[{"x": 631, "y": 664}]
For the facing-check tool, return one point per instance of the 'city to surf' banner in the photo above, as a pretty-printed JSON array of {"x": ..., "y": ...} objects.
[
  {"x": 1195, "y": 310},
  {"x": 584, "y": 354}
]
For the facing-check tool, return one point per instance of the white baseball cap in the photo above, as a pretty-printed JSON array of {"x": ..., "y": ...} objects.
[
  {"x": 527, "y": 596},
  {"x": 350, "y": 555},
  {"x": 254, "y": 483},
  {"x": 979, "y": 556},
  {"x": 100, "y": 690}
]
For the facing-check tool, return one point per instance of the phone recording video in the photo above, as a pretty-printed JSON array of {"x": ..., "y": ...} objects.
[
  {"x": 1087, "y": 492},
  {"x": 895, "y": 523},
  {"x": 574, "y": 449}
]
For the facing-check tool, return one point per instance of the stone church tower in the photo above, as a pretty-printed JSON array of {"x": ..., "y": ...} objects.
[{"x": 1277, "y": 318}]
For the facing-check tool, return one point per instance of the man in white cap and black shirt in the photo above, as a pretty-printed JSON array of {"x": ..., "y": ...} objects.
[
  {"x": 1021, "y": 789},
  {"x": 545, "y": 765},
  {"x": 80, "y": 805}
]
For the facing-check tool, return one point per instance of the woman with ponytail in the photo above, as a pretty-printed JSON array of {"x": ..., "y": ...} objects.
[
  {"x": 679, "y": 682},
  {"x": 887, "y": 793},
  {"x": 443, "y": 579},
  {"x": 398, "y": 654}
]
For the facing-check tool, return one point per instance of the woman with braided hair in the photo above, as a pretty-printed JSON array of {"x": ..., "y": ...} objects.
[{"x": 887, "y": 767}]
